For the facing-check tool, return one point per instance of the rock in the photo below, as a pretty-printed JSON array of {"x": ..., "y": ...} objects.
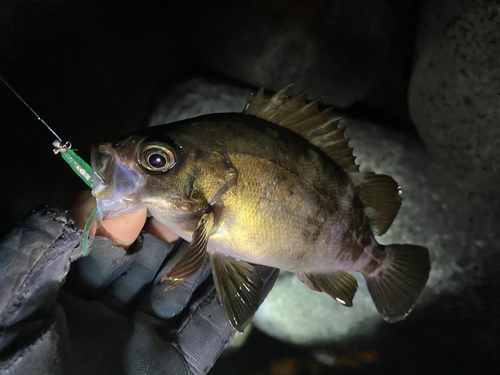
[
  {"x": 458, "y": 227},
  {"x": 454, "y": 94},
  {"x": 195, "y": 97},
  {"x": 344, "y": 52}
]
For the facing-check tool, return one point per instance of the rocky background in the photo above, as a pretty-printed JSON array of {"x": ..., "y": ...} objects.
[{"x": 418, "y": 85}]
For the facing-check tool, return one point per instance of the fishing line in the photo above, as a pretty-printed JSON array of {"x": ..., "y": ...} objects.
[{"x": 31, "y": 109}]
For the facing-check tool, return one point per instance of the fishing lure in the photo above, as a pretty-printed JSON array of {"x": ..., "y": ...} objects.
[
  {"x": 84, "y": 171},
  {"x": 76, "y": 163}
]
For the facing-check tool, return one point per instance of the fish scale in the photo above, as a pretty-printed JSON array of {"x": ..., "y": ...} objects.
[{"x": 252, "y": 206}]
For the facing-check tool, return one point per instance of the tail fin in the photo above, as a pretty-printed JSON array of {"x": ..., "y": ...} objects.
[{"x": 398, "y": 283}]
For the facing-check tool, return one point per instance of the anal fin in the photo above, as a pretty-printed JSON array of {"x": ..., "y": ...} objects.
[
  {"x": 339, "y": 285},
  {"x": 239, "y": 288},
  {"x": 193, "y": 258}
]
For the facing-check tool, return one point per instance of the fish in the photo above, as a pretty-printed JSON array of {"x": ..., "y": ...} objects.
[{"x": 275, "y": 185}]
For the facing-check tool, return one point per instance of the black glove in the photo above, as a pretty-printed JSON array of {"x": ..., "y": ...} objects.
[{"x": 112, "y": 316}]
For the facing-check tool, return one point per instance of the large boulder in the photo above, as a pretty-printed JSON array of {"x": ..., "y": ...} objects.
[
  {"x": 344, "y": 51},
  {"x": 454, "y": 95}
]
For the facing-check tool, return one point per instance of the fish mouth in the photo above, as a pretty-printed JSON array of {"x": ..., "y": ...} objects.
[
  {"x": 102, "y": 160},
  {"x": 117, "y": 184}
]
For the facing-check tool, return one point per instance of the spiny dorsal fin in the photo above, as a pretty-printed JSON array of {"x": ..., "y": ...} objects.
[
  {"x": 381, "y": 197},
  {"x": 380, "y": 193},
  {"x": 307, "y": 120}
]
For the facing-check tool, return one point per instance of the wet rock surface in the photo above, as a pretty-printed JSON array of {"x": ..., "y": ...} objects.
[
  {"x": 454, "y": 316},
  {"x": 454, "y": 93}
]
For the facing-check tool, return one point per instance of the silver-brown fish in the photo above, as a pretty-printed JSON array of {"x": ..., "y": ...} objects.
[{"x": 275, "y": 185}]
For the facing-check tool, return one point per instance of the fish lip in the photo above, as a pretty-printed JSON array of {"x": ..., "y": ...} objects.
[
  {"x": 102, "y": 161},
  {"x": 116, "y": 185},
  {"x": 111, "y": 208}
]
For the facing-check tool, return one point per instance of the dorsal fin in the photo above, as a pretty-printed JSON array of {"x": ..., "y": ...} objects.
[
  {"x": 380, "y": 194},
  {"x": 307, "y": 120}
]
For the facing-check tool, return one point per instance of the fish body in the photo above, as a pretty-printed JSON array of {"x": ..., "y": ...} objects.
[
  {"x": 276, "y": 186},
  {"x": 287, "y": 209}
]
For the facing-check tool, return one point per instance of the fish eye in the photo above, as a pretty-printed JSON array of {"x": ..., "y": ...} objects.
[{"x": 156, "y": 158}]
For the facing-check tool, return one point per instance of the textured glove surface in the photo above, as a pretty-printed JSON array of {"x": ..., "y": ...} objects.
[{"x": 111, "y": 315}]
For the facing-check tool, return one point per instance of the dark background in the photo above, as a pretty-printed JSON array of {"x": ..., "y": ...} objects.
[{"x": 92, "y": 68}]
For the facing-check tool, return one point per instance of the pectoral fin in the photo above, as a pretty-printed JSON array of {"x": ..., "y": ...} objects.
[
  {"x": 194, "y": 256},
  {"x": 239, "y": 288},
  {"x": 339, "y": 285}
]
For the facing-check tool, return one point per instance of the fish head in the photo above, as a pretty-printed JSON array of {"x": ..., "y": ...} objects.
[{"x": 135, "y": 172}]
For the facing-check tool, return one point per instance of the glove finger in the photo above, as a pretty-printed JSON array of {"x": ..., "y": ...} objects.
[
  {"x": 34, "y": 261},
  {"x": 126, "y": 290},
  {"x": 36, "y": 254},
  {"x": 194, "y": 346},
  {"x": 148, "y": 351},
  {"x": 91, "y": 276},
  {"x": 167, "y": 304},
  {"x": 207, "y": 323}
]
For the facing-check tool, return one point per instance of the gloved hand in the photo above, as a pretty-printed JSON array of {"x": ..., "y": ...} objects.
[{"x": 105, "y": 313}]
